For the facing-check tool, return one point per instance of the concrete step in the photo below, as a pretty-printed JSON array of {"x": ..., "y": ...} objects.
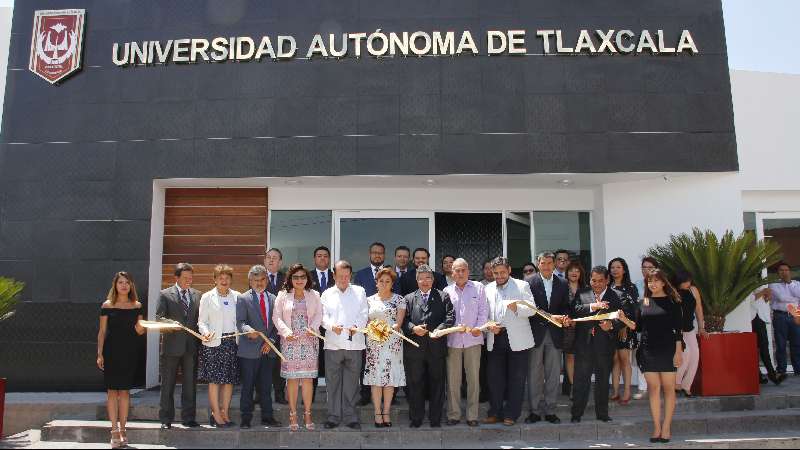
[
  {"x": 147, "y": 409},
  {"x": 633, "y": 430}
]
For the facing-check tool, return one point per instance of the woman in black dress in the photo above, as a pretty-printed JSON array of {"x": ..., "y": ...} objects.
[
  {"x": 576, "y": 277},
  {"x": 629, "y": 295},
  {"x": 118, "y": 351},
  {"x": 659, "y": 322}
]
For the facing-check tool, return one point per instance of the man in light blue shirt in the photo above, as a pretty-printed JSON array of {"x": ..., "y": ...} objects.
[{"x": 784, "y": 293}]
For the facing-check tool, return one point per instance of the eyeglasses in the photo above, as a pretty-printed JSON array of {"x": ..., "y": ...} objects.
[
  {"x": 299, "y": 277},
  {"x": 528, "y": 271}
]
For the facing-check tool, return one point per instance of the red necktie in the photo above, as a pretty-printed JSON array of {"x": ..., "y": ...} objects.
[{"x": 263, "y": 309}]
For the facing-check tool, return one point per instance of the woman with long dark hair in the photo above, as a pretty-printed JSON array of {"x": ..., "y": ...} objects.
[
  {"x": 692, "y": 306},
  {"x": 118, "y": 351},
  {"x": 658, "y": 320},
  {"x": 629, "y": 295},
  {"x": 576, "y": 277}
]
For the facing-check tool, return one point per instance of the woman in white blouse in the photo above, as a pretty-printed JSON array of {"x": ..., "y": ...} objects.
[{"x": 219, "y": 366}]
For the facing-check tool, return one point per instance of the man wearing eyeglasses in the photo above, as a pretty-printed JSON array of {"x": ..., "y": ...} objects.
[{"x": 562, "y": 261}]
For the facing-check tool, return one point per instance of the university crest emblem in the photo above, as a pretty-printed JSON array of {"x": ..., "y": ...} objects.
[{"x": 57, "y": 43}]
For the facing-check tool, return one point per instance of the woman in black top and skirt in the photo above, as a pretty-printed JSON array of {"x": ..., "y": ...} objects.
[
  {"x": 629, "y": 295},
  {"x": 659, "y": 322},
  {"x": 118, "y": 351}
]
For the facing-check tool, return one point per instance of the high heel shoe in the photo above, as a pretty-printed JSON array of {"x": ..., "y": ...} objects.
[
  {"x": 116, "y": 442},
  {"x": 293, "y": 421},
  {"x": 385, "y": 423},
  {"x": 213, "y": 422},
  {"x": 123, "y": 435},
  {"x": 309, "y": 422},
  {"x": 614, "y": 397},
  {"x": 379, "y": 424}
]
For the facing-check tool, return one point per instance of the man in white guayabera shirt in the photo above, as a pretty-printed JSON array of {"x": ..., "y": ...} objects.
[{"x": 345, "y": 309}]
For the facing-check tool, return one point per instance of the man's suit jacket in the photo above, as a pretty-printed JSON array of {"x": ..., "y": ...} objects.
[
  {"x": 408, "y": 284},
  {"x": 330, "y": 282},
  {"x": 559, "y": 304},
  {"x": 589, "y": 337},
  {"x": 248, "y": 318},
  {"x": 437, "y": 313},
  {"x": 169, "y": 307},
  {"x": 366, "y": 279},
  {"x": 279, "y": 280}
]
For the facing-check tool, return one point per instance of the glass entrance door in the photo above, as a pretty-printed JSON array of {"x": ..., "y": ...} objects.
[
  {"x": 783, "y": 228},
  {"x": 354, "y": 231}
]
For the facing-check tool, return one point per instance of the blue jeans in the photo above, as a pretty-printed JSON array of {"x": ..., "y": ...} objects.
[
  {"x": 786, "y": 330},
  {"x": 256, "y": 373}
]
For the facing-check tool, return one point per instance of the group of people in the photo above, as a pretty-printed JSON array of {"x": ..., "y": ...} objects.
[{"x": 516, "y": 331}]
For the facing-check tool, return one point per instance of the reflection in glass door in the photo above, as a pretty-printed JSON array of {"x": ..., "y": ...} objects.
[
  {"x": 354, "y": 231},
  {"x": 784, "y": 229}
]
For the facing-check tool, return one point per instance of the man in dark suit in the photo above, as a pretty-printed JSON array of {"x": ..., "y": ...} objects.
[
  {"x": 551, "y": 295},
  {"x": 273, "y": 261},
  {"x": 408, "y": 284},
  {"x": 595, "y": 344},
  {"x": 366, "y": 276},
  {"x": 402, "y": 258},
  {"x": 429, "y": 310},
  {"x": 321, "y": 280},
  {"x": 180, "y": 303},
  {"x": 254, "y": 311}
]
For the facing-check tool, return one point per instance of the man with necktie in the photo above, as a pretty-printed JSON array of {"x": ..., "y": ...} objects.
[
  {"x": 595, "y": 344},
  {"x": 273, "y": 260},
  {"x": 551, "y": 294},
  {"x": 254, "y": 312},
  {"x": 321, "y": 280},
  {"x": 429, "y": 310},
  {"x": 366, "y": 276},
  {"x": 562, "y": 261},
  {"x": 180, "y": 303},
  {"x": 402, "y": 257}
]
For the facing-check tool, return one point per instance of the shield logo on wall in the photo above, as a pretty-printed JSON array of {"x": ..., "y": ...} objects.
[{"x": 57, "y": 43}]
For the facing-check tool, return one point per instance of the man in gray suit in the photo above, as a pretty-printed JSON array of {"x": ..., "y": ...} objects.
[
  {"x": 254, "y": 312},
  {"x": 180, "y": 303}
]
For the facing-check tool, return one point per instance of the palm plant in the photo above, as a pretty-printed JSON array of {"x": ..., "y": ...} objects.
[
  {"x": 9, "y": 294},
  {"x": 725, "y": 270}
]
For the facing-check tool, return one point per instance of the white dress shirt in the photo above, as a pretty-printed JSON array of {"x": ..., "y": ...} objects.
[{"x": 346, "y": 308}]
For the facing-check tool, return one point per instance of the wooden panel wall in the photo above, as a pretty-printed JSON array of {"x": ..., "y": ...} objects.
[{"x": 206, "y": 227}]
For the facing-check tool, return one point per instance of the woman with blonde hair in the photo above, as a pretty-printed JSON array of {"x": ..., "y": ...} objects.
[
  {"x": 298, "y": 311},
  {"x": 219, "y": 365},
  {"x": 118, "y": 343}
]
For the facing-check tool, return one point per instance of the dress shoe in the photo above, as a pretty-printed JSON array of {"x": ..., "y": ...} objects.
[
  {"x": 773, "y": 378},
  {"x": 533, "y": 418},
  {"x": 552, "y": 419},
  {"x": 354, "y": 426},
  {"x": 663, "y": 440},
  {"x": 452, "y": 423},
  {"x": 415, "y": 424},
  {"x": 509, "y": 422},
  {"x": 364, "y": 401},
  {"x": 230, "y": 424},
  {"x": 605, "y": 419},
  {"x": 245, "y": 425},
  {"x": 575, "y": 420},
  {"x": 491, "y": 420},
  {"x": 330, "y": 425},
  {"x": 166, "y": 426},
  {"x": 436, "y": 425},
  {"x": 270, "y": 422},
  {"x": 473, "y": 423},
  {"x": 190, "y": 424},
  {"x": 281, "y": 401},
  {"x": 763, "y": 380},
  {"x": 655, "y": 440}
]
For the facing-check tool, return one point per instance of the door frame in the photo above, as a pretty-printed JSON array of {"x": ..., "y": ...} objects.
[{"x": 382, "y": 214}]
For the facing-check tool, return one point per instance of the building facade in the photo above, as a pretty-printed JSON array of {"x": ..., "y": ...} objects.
[{"x": 193, "y": 131}]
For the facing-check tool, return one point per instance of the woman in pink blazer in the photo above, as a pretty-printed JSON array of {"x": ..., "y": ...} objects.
[{"x": 298, "y": 309}]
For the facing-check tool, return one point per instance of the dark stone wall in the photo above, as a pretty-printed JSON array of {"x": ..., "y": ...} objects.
[{"x": 73, "y": 213}]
